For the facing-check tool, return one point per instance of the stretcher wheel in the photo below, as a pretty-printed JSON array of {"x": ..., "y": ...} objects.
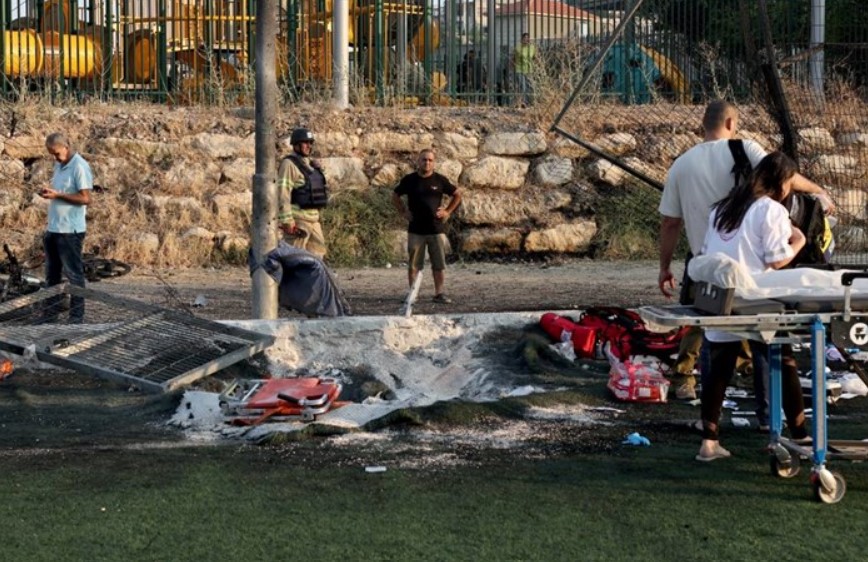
[
  {"x": 829, "y": 487},
  {"x": 784, "y": 468}
]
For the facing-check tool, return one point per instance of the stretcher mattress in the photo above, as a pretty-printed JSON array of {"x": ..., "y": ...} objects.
[{"x": 823, "y": 303}]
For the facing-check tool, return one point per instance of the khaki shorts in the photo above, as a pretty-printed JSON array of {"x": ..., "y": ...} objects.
[
  {"x": 313, "y": 241},
  {"x": 437, "y": 246}
]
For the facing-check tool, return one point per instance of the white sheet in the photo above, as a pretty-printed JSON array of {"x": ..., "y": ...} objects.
[{"x": 723, "y": 271}]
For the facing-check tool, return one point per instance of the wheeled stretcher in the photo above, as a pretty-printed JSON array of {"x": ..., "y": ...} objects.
[
  {"x": 792, "y": 319},
  {"x": 251, "y": 402}
]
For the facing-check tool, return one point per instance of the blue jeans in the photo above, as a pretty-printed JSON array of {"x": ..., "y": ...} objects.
[
  {"x": 525, "y": 88},
  {"x": 63, "y": 255}
]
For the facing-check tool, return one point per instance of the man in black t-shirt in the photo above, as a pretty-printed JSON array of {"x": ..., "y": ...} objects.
[{"x": 425, "y": 211}]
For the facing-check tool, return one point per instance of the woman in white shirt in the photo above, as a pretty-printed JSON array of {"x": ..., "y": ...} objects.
[{"x": 752, "y": 226}]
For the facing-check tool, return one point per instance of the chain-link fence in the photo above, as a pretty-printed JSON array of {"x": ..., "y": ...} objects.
[
  {"x": 797, "y": 73},
  {"x": 796, "y": 68}
]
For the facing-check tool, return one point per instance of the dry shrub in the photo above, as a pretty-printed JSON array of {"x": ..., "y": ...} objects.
[
  {"x": 127, "y": 250},
  {"x": 28, "y": 218},
  {"x": 177, "y": 251},
  {"x": 358, "y": 225}
]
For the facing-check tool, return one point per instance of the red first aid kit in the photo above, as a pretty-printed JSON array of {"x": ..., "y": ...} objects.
[
  {"x": 639, "y": 387},
  {"x": 636, "y": 382},
  {"x": 584, "y": 339}
]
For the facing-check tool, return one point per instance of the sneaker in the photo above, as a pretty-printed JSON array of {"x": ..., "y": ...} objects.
[
  {"x": 442, "y": 299},
  {"x": 685, "y": 392}
]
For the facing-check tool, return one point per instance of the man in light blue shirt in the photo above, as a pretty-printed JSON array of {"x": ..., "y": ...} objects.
[{"x": 69, "y": 196}]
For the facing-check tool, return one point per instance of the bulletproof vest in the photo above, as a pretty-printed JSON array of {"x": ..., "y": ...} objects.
[{"x": 314, "y": 193}]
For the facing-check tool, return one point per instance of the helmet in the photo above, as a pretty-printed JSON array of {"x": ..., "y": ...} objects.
[{"x": 300, "y": 135}]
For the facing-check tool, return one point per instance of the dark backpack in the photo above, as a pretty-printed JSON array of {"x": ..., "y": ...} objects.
[
  {"x": 806, "y": 212},
  {"x": 627, "y": 334}
]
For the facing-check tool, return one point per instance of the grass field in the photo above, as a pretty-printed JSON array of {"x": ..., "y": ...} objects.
[{"x": 312, "y": 499}]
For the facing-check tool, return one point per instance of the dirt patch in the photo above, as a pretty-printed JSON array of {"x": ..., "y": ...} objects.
[{"x": 473, "y": 287}]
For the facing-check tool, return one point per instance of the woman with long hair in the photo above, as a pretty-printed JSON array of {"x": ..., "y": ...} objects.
[{"x": 751, "y": 226}]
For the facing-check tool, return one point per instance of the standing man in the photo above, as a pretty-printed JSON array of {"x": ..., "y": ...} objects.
[
  {"x": 471, "y": 76},
  {"x": 523, "y": 59},
  {"x": 69, "y": 196},
  {"x": 697, "y": 179},
  {"x": 427, "y": 218},
  {"x": 303, "y": 192}
]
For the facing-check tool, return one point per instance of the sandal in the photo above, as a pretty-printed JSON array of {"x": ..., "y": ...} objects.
[{"x": 718, "y": 453}]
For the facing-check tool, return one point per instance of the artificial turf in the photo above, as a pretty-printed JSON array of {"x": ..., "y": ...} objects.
[{"x": 249, "y": 503}]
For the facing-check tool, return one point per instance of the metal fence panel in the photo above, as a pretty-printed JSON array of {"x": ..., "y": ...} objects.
[{"x": 666, "y": 61}]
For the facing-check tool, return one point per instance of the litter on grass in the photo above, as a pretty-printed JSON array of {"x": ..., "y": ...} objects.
[{"x": 412, "y": 362}]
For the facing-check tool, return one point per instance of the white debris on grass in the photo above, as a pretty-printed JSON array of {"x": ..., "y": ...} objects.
[
  {"x": 525, "y": 390},
  {"x": 422, "y": 360},
  {"x": 197, "y": 408},
  {"x": 576, "y": 413}
]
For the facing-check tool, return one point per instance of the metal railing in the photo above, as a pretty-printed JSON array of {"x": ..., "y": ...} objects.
[{"x": 451, "y": 52}]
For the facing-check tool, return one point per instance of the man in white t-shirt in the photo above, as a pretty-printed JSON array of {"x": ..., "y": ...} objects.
[{"x": 699, "y": 178}]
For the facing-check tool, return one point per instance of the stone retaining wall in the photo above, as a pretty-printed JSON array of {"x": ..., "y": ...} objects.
[{"x": 522, "y": 189}]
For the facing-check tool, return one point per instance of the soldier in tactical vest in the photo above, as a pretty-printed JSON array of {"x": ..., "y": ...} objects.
[{"x": 303, "y": 192}]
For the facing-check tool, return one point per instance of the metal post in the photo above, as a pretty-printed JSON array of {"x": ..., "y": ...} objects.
[
  {"x": 775, "y": 390},
  {"x": 341, "y": 49},
  {"x": 264, "y": 222},
  {"x": 818, "y": 390},
  {"x": 427, "y": 63},
  {"x": 629, "y": 48},
  {"x": 777, "y": 96},
  {"x": 625, "y": 20},
  {"x": 108, "y": 52},
  {"x": 451, "y": 59},
  {"x": 401, "y": 54},
  {"x": 162, "y": 51},
  {"x": 5, "y": 16},
  {"x": 494, "y": 73},
  {"x": 379, "y": 45},
  {"x": 292, "y": 46},
  {"x": 818, "y": 38}
]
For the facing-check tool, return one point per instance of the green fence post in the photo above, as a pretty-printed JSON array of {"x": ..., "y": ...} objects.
[
  {"x": 108, "y": 52},
  {"x": 452, "y": 33},
  {"x": 379, "y": 44},
  {"x": 162, "y": 53},
  {"x": 5, "y": 11},
  {"x": 61, "y": 29},
  {"x": 427, "y": 63},
  {"x": 291, "y": 41},
  {"x": 249, "y": 33}
]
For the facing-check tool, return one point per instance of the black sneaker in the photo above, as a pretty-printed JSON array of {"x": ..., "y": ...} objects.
[{"x": 442, "y": 299}]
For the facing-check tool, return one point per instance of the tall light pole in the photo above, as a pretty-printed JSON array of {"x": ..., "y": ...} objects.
[
  {"x": 264, "y": 221},
  {"x": 341, "y": 50},
  {"x": 818, "y": 38}
]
